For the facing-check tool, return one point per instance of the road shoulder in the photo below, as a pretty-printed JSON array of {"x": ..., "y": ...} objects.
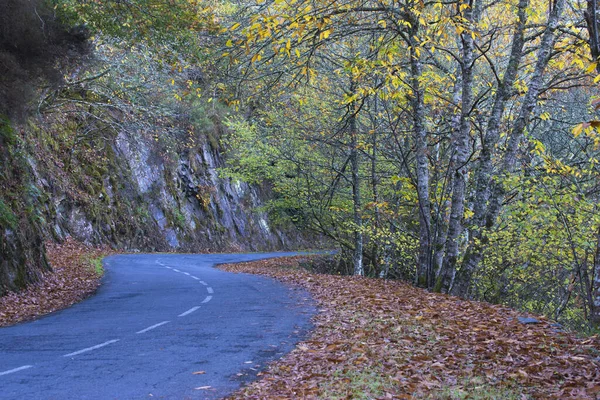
[
  {"x": 386, "y": 339},
  {"x": 77, "y": 273}
]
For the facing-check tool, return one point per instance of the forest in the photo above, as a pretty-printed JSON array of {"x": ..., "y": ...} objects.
[{"x": 450, "y": 144}]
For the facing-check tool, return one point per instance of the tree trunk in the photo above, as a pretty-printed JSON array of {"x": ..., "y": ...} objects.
[
  {"x": 424, "y": 267},
  {"x": 593, "y": 23},
  {"x": 357, "y": 258},
  {"x": 595, "y": 306},
  {"x": 489, "y": 215},
  {"x": 461, "y": 141}
]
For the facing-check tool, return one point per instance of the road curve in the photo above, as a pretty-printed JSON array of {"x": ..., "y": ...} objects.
[{"x": 161, "y": 326}]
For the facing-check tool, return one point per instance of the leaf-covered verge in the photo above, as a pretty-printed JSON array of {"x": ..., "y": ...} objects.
[
  {"x": 386, "y": 339},
  {"x": 77, "y": 270}
]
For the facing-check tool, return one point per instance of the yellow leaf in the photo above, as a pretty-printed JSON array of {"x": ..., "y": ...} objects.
[
  {"x": 235, "y": 26},
  {"x": 256, "y": 57},
  {"x": 591, "y": 68}
]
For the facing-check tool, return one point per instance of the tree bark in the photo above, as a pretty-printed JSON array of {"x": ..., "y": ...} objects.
[
  {"x": 489, "y": 214},
  {"x": 593, "y": 24},
  {"x": 424, "y": 267},
  {"x": 357, "y": 258},
  {"x": 595, "y": 306},
  {"x": 461, "y": 141}
]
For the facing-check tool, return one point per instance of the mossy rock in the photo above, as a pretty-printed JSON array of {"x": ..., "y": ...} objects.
[{"x": 8, "y": 219}]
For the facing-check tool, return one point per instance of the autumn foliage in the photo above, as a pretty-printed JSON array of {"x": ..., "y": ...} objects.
[{"x": 386, "y": 339}]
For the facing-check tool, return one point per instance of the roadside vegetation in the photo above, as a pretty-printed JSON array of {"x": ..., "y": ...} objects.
[{"x": 386, "y": 339}]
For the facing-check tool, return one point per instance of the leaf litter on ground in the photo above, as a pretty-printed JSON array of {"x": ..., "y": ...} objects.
[
  {"x": 383, "y": 339},
  {"x": 74, "y": 277}
]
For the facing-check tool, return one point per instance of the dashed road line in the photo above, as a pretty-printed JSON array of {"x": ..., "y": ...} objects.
[
  {"x": 153, "y": 327},
  {"x": 188, "y": 312},
  {"x": 191, "y": 310},
  {"x": 10, "y": 371},
  {"x": 91, "y": 348}
]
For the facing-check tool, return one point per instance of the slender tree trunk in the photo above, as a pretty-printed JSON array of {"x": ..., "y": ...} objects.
[
  {"x": 595, "y": 306},
  {"x": 593, "y": 24},
  {"x": 443, "y": 214},
  {"x": 357, "y": 258},
  {"x": 424, "y": 267},
  {"x": 474, "y": 255},
  {"x": 461, "y": 141},
  {"x": 375, "y": 189}
]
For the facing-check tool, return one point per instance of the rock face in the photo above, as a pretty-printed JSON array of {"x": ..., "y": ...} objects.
[
  {"x": 129, "y": 192},
  {"x": 22, "y": 257},
  {"x": 144, "y": 202}
]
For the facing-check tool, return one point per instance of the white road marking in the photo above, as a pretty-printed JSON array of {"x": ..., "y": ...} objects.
[
  {"x": 159, "y": 263},
  {"x": 203, "y": 283},
  {"x": 193, "y": 277},
  {"x": 207, "y": 299},
  {"x": 210, "y": 290},
  {"x": 10, "y": 371},
  {"x": 188, "y": 312},
  {"x": 176, "y": 270},
  {"x": 91, "y": 348},
  {"x": 185, "y": 273},
  {"x": 153, "y": 326},
  {"x": 168, "y": 267}
]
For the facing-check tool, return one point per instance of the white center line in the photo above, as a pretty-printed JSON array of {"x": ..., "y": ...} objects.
[
  {"x": 176, "y": 270},
  {"x": 207, "y": 299},
  {"x": 193, "y": 277},
  {"x": 153, "y": 326},
  {"x": 191, "y": 310},
  {"x": 185, "y": 273},
  {"x": 203, "y": 283},
  {"x": 91, "y": 348},
  {"x": 168, "y": 267},
  {"x": 210, "y": 290},
  {"x": 10, "y": 371}
]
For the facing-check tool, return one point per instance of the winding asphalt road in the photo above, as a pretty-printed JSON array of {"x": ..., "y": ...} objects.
[{"x": 160, "y": 327}]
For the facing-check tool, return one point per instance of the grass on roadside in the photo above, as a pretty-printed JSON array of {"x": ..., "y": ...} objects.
[{"x": 95, "y": 264}]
